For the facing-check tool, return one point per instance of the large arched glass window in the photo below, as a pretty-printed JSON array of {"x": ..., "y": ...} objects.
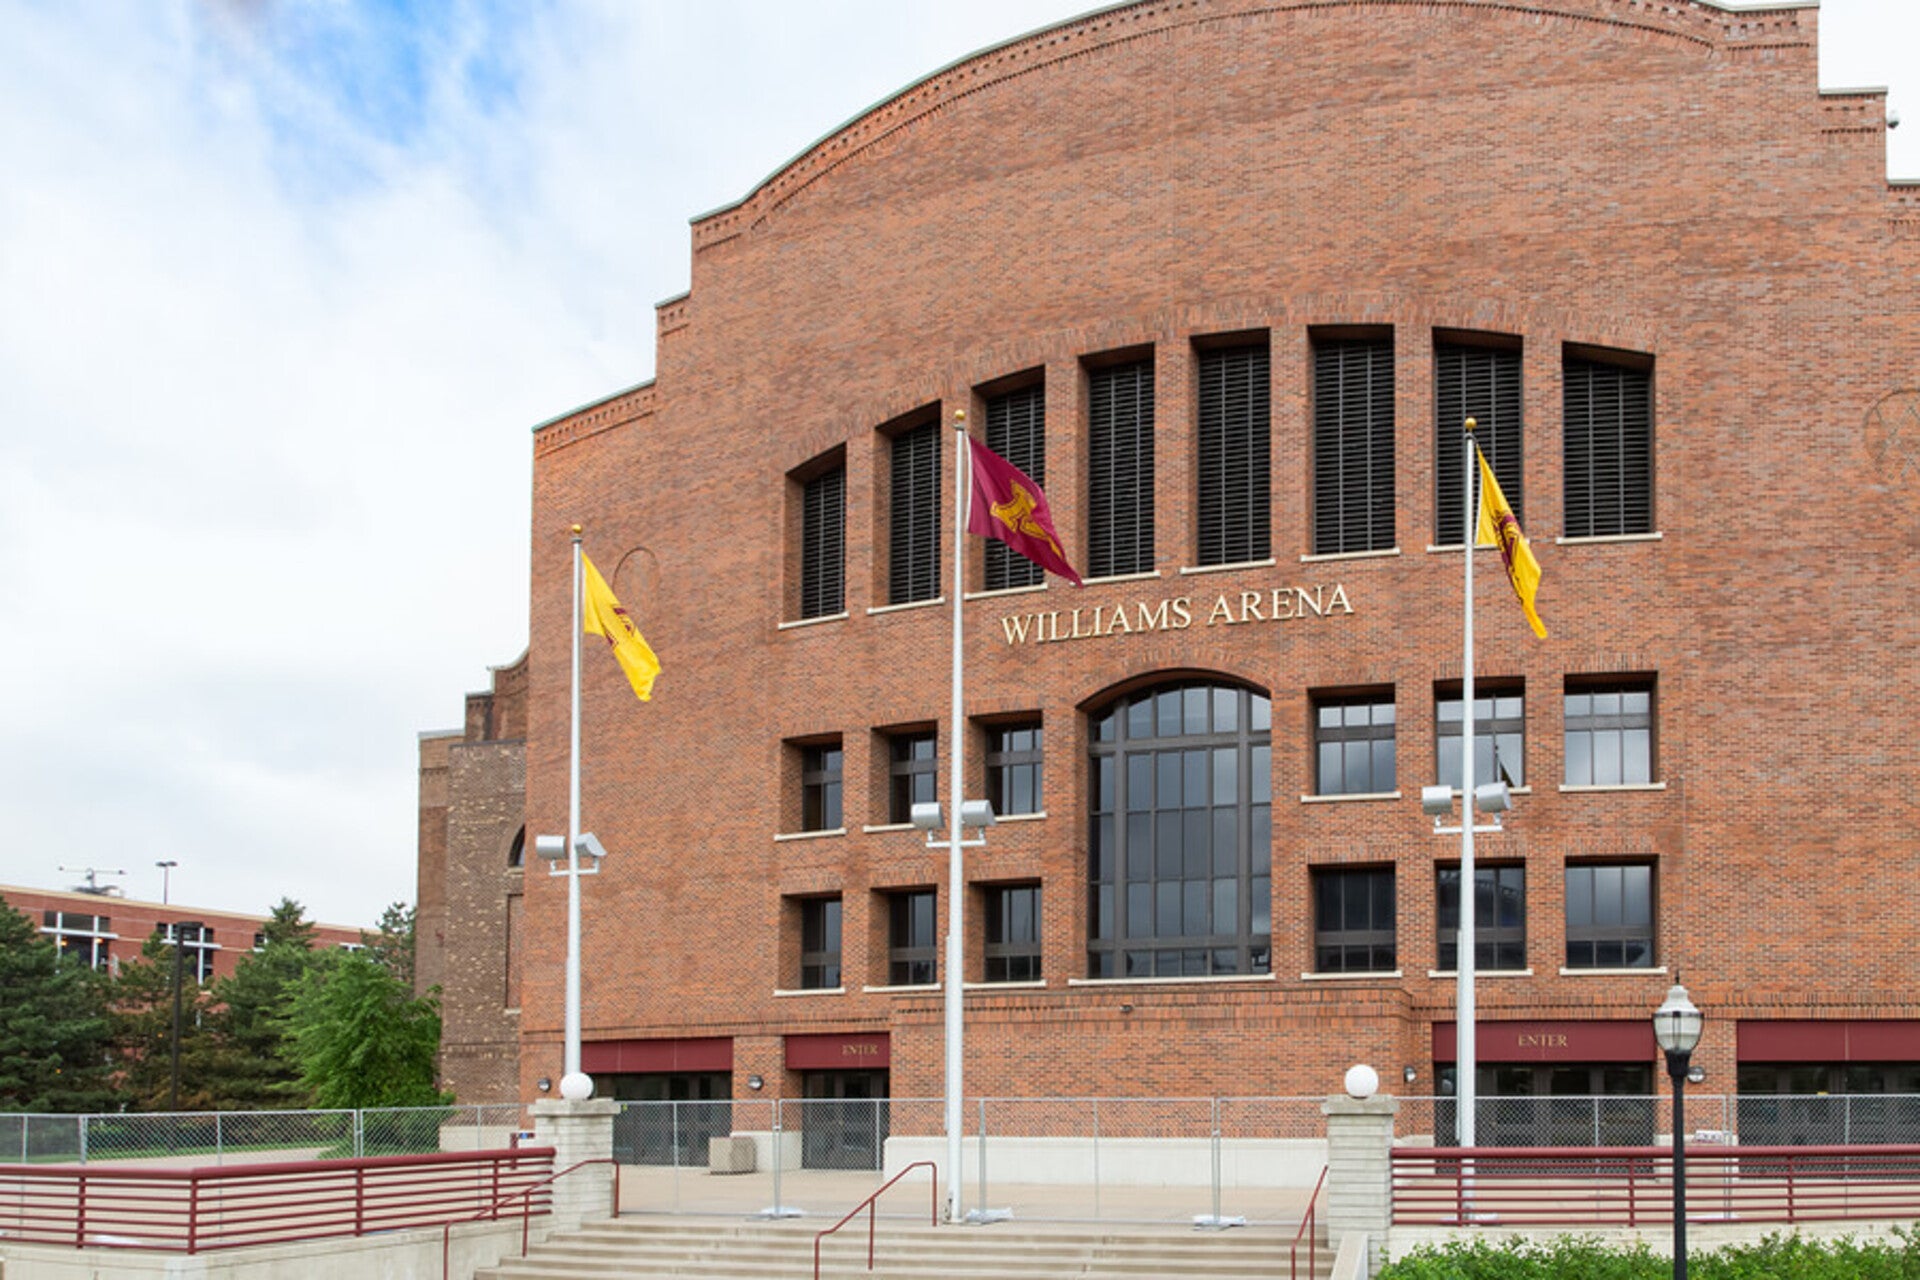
[{"x": 1181, "y": 842}]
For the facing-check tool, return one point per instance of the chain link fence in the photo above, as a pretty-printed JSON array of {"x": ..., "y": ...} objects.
[{"x": 242, "y": 1137}]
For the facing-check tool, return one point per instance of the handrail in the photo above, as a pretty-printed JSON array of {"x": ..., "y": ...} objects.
[
  {"x": 492, "y": 1212},
  {"x": 869, "y": 1205},
  {"x": 1307, "y": 1222}
]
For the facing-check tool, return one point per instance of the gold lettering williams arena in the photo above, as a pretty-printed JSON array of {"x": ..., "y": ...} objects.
[{"x": 1176, "y": 613}]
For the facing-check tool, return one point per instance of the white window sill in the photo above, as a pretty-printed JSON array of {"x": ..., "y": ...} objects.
[
  {"x": 812, "y": 622},
  {"x": 1611, "y": 973},
  {"x": 1148, "y": 576},
  {"x": 1350, "y": 977},
  {"x": 1001, "y": 819},
  {"x": 1356, "y": 797},
  {"x": 1610, "y": 537},
  {"x": 782, "y": 992},
  {"x": 1206, "y": 980},
  {"x": 883, "y": 827},
  {"x": 1190, "y": 570},
  {"x": 1040, "y": 985},
  {"x": 1351, "y": 555},
  {"x": 808, "y": 835},
  {"x": 878, "y": 609},
  {"x": 1482, "y": 973},
  {"x": 910, "y": 989},
  {"x": 1007, "y": 591},
  {"x": 1616, "y": 786}
]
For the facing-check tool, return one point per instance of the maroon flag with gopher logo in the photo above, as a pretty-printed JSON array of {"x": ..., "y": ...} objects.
[{"x": 1010, "y": 507}]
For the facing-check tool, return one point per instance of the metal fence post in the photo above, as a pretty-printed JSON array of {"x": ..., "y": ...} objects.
[
  {"x": 983, "y": 1155},
  {"x": 83, "y": 1139},
  {"x": 1216, "y": 1162},
  {"x": 1096, "y": 1157},
  {"x": 779, "y": 1153},
  {"x": 219, "y": 1138},
  {"x": 359, "y": 1134}
]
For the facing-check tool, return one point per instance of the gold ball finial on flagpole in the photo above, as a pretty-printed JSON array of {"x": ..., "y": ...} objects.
[
  {"x": 577, "y": 530},
  {"x": 1471, "y": 424}
]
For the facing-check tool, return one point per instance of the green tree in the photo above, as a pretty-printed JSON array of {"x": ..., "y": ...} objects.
[
  {"x": 251, "y": 1061},
  {"x": 53, "y": 1025},
  {"x": 391, "y": 943},
  {"x": 141, "y": 1022},
  {"x": 362, "y": 1038}
]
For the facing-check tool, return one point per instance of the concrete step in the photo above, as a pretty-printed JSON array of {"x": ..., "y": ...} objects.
[{"x": 783, "y": 1250}]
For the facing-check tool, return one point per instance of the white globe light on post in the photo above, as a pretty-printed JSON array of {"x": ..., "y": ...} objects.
[{"x": 1676, "y": 1029}]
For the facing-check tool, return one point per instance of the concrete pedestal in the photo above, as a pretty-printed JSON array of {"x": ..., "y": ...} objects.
[
  {"x": 578, "y": 1131},
  {"x": 1360, "y": 1170}
]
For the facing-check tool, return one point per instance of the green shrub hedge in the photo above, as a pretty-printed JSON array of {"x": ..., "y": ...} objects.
[{"x": 1778, "y": 1257}]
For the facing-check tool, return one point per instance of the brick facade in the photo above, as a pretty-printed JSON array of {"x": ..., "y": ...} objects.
[
  {"x": 468, "y": 918},
  {"x": 1663, "y": 180}
]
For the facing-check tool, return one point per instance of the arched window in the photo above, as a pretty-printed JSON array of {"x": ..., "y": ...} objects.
[
  {"x": 516, "y": 856},
  {"x": 1181, "y": 842}
]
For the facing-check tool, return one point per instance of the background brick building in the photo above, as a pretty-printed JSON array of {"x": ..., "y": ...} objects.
[{"x": 1229, "y": 273}]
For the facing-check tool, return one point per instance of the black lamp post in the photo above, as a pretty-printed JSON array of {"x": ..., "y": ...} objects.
[
  {"x": 1676, "y": 1029},
  {"x": 180, "y": 928}
]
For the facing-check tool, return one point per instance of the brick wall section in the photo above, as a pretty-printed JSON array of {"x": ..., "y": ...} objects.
[
  {"x": 472, "y": 800},
  {"x": 1656, "y": 178}
]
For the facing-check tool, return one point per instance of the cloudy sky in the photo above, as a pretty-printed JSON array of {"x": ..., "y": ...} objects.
[{"x": 283, "y": 288}]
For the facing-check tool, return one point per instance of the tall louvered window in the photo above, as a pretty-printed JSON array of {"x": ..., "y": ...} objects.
[
  {"x": 1353, "y": 446},
  {"x": 913, "y": 553},
  {"x": 1120, "y": 470},
  {"x": 1235, "y": 494},
  {"x": 1608, "y": 435},
  {"x": 1482, "y": 383},
  {"x": 1017, "y": 431},
  {"x": 823, "y": 545}
]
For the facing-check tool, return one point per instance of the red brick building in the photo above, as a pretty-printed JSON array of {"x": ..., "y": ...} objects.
[
  {"x": 107, "y": 929},
  {"x": 1225, "y": 276}
]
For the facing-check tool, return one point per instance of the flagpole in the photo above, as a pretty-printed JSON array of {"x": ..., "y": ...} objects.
[
  {"x": 1464, "y": 1057},
  {"x": 571, "y": 1075},
  {"x": 956, "y": 888}
]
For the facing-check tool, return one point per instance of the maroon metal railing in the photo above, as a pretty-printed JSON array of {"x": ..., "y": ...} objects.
[
  {"x": 1309, "y": 1230},
  {"x": 869, "y": 1204},
  {"x": 232, "y": 1206},
  {"x": 492, "y": 1212},
  {"x": 1633, "y": 1186}
]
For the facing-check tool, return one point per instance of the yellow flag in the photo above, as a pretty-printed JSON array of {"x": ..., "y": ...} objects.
[
  {"x": 1500, "y": 528},
  {"x": 603, "y": 616}
]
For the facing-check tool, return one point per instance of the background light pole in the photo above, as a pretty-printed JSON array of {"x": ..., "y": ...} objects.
[
  {"x": 1676, "y": 1029},
  {"x": 180, "y": 928},
  {"x": 166, "y": 878}
]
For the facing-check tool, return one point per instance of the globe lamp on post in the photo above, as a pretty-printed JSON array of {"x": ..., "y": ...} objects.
[{"x": 1676, "y": 1029}]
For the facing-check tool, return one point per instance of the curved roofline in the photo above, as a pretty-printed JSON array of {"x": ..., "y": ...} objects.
[{"x": 1721, "y": 6}]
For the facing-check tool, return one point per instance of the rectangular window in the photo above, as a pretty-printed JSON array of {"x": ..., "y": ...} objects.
[
  {"x": 1013, "y": 934},
  {"x": 819, "y": 944},
  {"x": 820, "y": 787},
  {"x": 1353, "y": 921},
  {"x": 1609, "y": 733},
  {"x": 1017, "y": 431},
  {"x": 1353, "y": 423},
  {"x": 912, "y": 772},
  {"x": 1610, "y": 916},
  {"x": 1236, "y": 505},
  {"x": 1120, "y": 470},
  {"x": 1499, "y": 733},
  {"x": 1482, "y": 383},
  {"x": 1608, "y": 440},
  {"x": 1499, "y": 917},
  {"x": 81, "y": 938},
  {"x": 911, "y": 944},
  {"x": 823, "y": 544},
  {"x": 913, "y": 548},
  {"x": 1013, "y": 768},
  {"x": 1354, "y": 741},
  {"x": 199, "y": 944}
]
